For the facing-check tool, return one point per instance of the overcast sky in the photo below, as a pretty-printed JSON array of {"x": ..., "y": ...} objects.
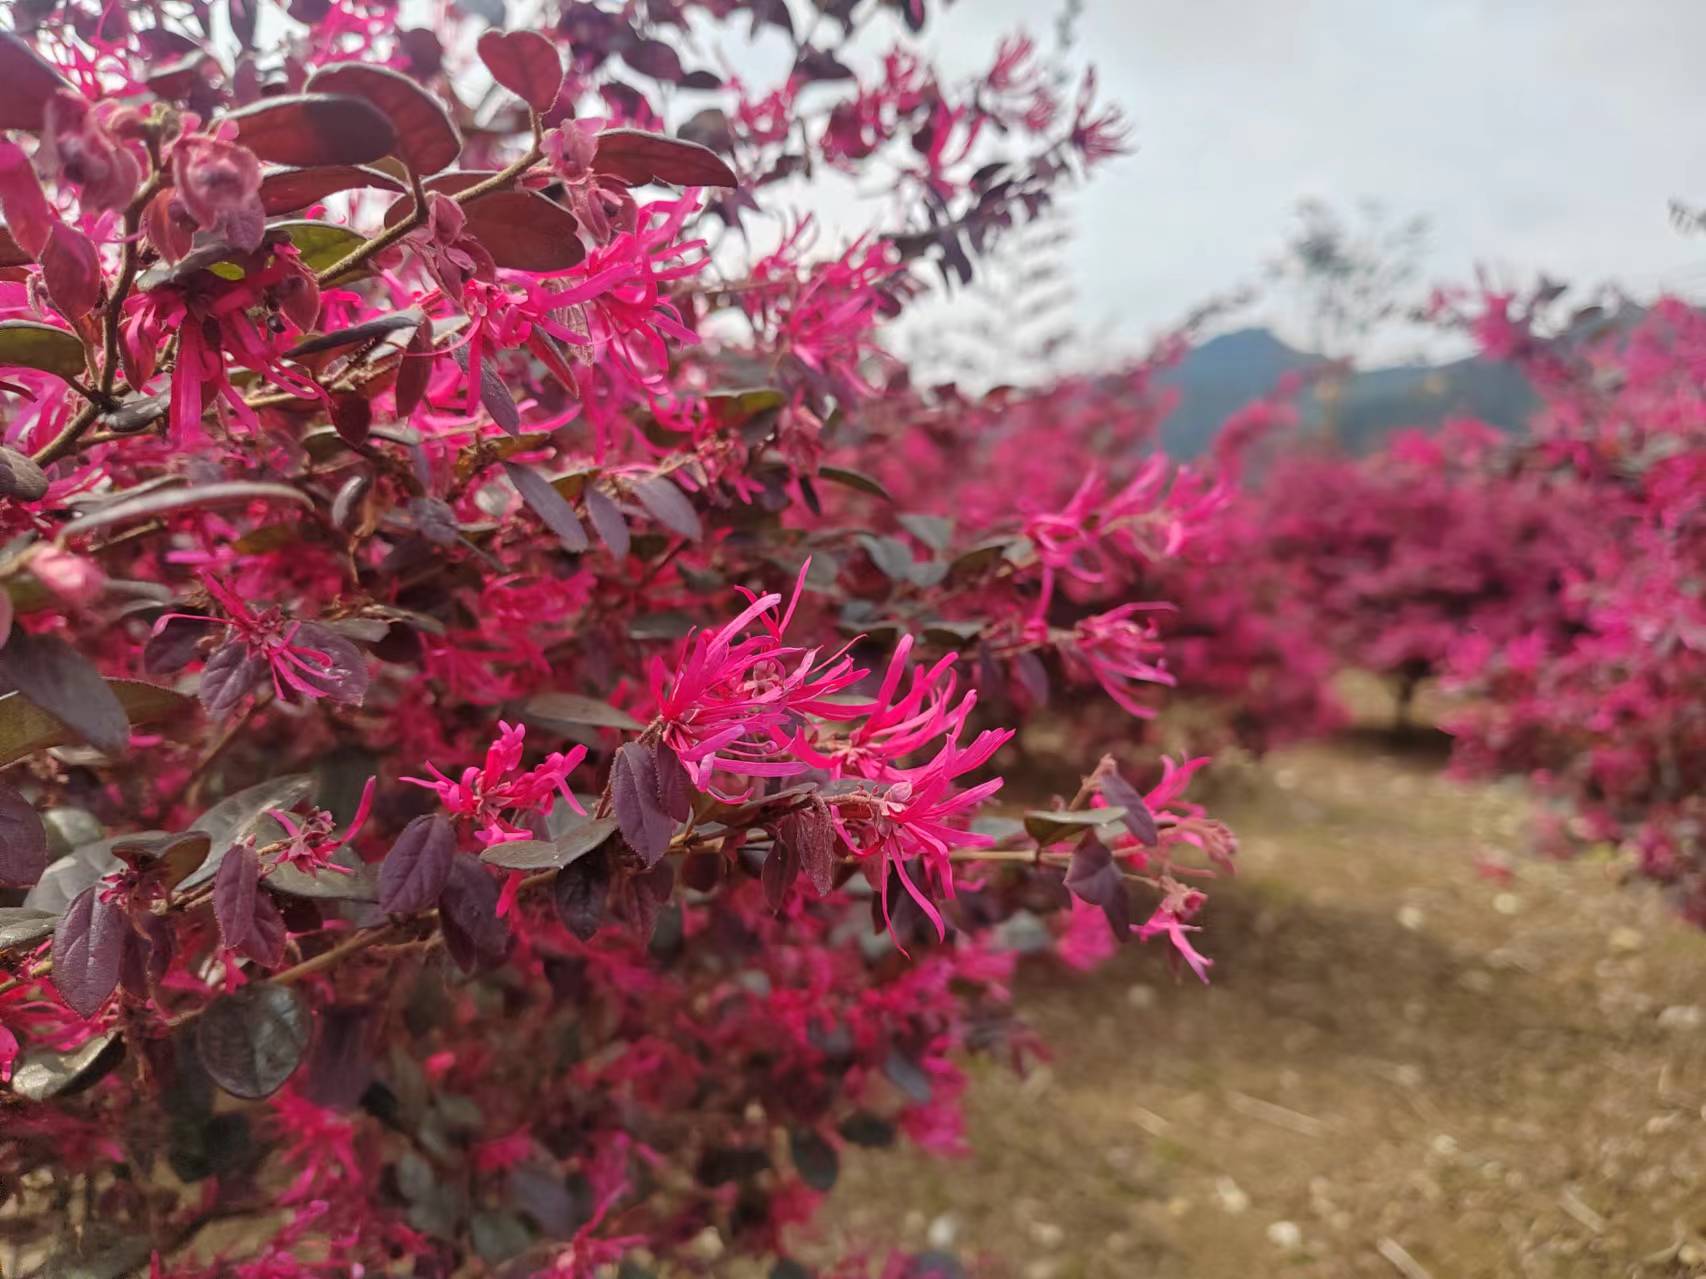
[{"x": 1532, "y": 134}]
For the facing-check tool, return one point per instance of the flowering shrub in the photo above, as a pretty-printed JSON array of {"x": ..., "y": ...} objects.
[
  {"x": 392, "y": 863},
  {"x": 1605, "y": 703},
  {"x": 1397, "y": 559}
]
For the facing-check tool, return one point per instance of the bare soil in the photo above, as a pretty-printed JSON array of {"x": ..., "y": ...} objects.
[{"x": 1406, "y": 1066}]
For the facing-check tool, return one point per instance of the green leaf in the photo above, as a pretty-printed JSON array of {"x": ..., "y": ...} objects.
[
  {"x": 1052, "y": 826},
  {"x": 26, "y": 344},
  {"x": 39, "y": 1074},
  {"x": 548, "y": 854},
  {"x": 320, "y": 244},
  {"x": 572, "y": 708},
  {"x": 253, "y": 1040},
  {"x": 147, "y": 505},
  {"x": 25, "y": 728},
  {"x": 237, "y": 815},
  {"x": 854, "y": 480}
]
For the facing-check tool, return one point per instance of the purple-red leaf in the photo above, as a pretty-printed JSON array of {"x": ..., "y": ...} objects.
[
  {"x": 810, "y": 832},
  {"x": 236, "y": 888},
  {"x": 607, "y": 521},
  {"x": 312, "y": 129},
  {"x": 27, "y": 81},
  {"x": 1137, "y": 817},
  {"x": 549, "y": 505},
  {"x": 23, "y": 840},
  {"x": 414, "y": 372},
  {"x": 468, "y": 913},
  {"x": 289, "y": 190},
  {"x": 781, "y": 868},
  {"x": 525, "y": 231},
  {"x": 230, "y": 672},
  {"x": 668, "y": 505},
  {"x": 88, "y": 947},
  {"x": 675, "y": 786},
  {"x": 525, "y": 63},
  {"x": 493, "y": 393},
  {"x": 51, "y": 675},
  {"x": 637, "y": 157},
  {"x": 414, "y": 872},
  {"x": 340, "y": 670},
  {"x": 645, "y": 824},
  {"x": 71, "y": 269},
  {"x": 340, "y": 1067},
  {"x": 427, "y": 140},
  {"x": 1094, "y": 877},
  {"x": 579, "y": 892}
]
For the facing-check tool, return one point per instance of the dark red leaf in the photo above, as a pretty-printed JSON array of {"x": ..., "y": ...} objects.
[
  {"x": 1138, "y": 819},
  {"x": 668, "y": 506},
  {"x": 265, "y": 944},
  {"x": 549, "y": 505},
  {"x": 231, "y": 671},
  {"x": 51, "y": 675},
  {"x": 236, "y": 888},
  {"x": 11, "y": 252},
  {"x": 352, "y": 416},
  {"x": 27, "y": 81},
  {"x": 340, "y": 1067},
  {"x": 341, "y": 670},
  {"x": 524, "y": 231},
  {"x": 312, "y": 129},
  {"x": 1094, "y": 877},
  {"x": 675, "y": 786},
  {"x": 288, "y": 190},
  {"x": 414, "y": 872},
  {"x": 525, "y": 63},
  {"x": 468, "y": 913},
  {"x": 493, "y": 394},
  {"x": 427, "y": 140},
  {"x": 810, "y": 832},
  {"x": 252, "y": 1041},
  {"x": 414, "y": 372},
  {"x": 173, "y": 647},
  {"x": 634, "y": 794},
  {"x": 652, "y": 58},
  {"x": 607, "y": 521},
  {"x": 71, "y": 269},
  {"x": 781, "y": 868},
  {"x": 23, "y": 840},
  {"x": 579, "y": 892},
  {"x": 642, "y": 896},
  {"x": 88, "y": 947},
  {"x": 637, "y": 157}
]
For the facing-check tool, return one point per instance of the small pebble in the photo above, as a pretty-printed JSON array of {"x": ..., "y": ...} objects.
[
  {"x": 1231, "y": 1195},
  {"x": 1285, "y": 1236},
  {"x": 943, "y": 1231},
  {"x": 1507, "y": 903},
  {"x": 1047, "y": 1235},
  {"x": 1140, "y": 996},
  {"x": 1625, "y": 940},
  {"x": 1682, "y": 1017},
  {"x": 1411, "y": 917}
]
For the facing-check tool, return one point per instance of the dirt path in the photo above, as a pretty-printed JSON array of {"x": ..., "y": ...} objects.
[{"x": 1405, "y": 1067}]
